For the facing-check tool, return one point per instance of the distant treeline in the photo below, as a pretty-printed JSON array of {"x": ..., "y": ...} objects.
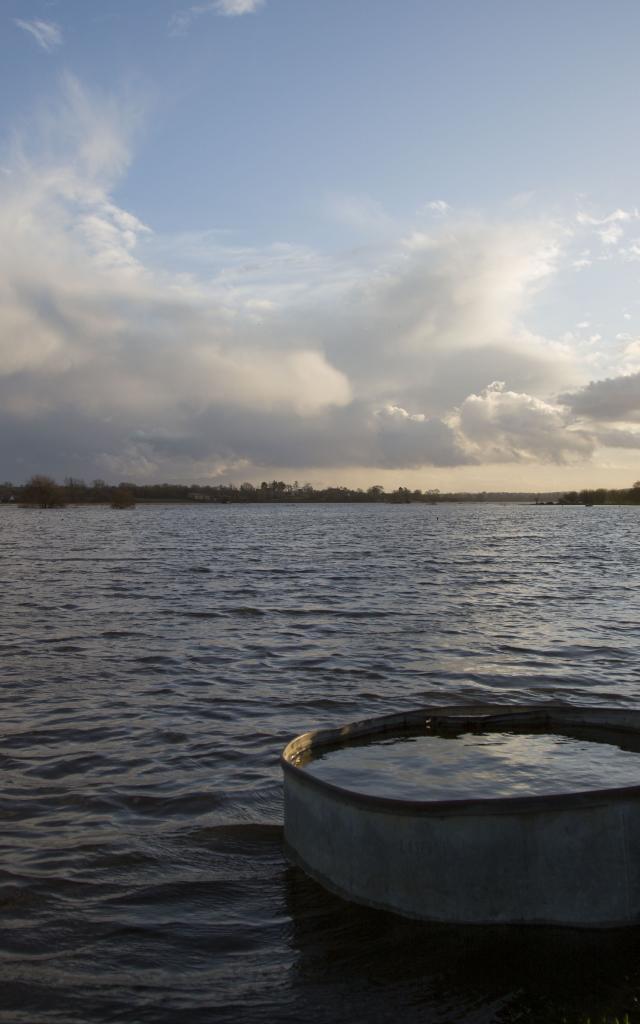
[
  {"x": 601, "y": 496},
  {"x": 45, "y": 492}
]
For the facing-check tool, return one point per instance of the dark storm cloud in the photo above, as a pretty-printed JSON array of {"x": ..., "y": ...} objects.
[{"x": 614, "y": 399}]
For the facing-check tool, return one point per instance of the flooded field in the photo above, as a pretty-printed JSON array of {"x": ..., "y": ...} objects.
[{"x": 154, "y": 664}]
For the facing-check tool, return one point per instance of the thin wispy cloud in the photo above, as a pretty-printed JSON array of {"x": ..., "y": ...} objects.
[
  {"x": 610, "y": 228},
  {"x": 438, "y": 206},
  {"x": 181, "y": 20},
  {"x": 617, "y": 215},
  {"x": 46, "y": 33},
  {"x": 360, "y": 212},
  {"x": 231, "y": 8}
]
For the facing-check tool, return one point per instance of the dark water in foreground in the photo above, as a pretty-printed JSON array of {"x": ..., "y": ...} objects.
[{"x": 154, "y": 663}]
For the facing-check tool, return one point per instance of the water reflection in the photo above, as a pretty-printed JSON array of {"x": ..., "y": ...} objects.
[
  {"x": 377, "y": 966},
  {"x": 486, "y": 764}
]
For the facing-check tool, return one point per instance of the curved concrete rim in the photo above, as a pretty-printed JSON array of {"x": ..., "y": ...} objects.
[{"x": 551, "y": 716}]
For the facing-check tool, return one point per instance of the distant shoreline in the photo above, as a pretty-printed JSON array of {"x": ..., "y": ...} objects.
[
  {"x": 189, "y": 503},
  {"x": 155, "y": 502},
  {"x": 44, "y": 492}
]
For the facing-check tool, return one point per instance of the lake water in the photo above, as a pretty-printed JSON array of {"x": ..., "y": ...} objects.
[
  {"x": 473, "y": 766},
  {"x": 155, "y": 662}
]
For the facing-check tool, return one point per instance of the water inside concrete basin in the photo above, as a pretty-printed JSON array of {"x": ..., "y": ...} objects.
[{"x": 426, "y": 765}]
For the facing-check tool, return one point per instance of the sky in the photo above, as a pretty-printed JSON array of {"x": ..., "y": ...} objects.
[{"x": 358, "y": 242}]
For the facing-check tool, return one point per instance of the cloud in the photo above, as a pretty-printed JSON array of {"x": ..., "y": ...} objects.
[
  {"x": 360, "y": 212},
  {"x": 232, "y": 8},
  {"x": 46, "y": 33},
  {"x": 181, "y": 20},
  {"x": 438, "y": 206},
  {"x": 618, "y": 215},
  {"x": 93, "y": 343},
  {"x": 401, "y": 329},
  {"x": 631, "y": 252},
  {"x": 414, "y": 439},
  {"x": 614, "y": 438},
  {"x": 78, "y": 144},
  {"x": 503, "y": 425},
  {"x": 615, "y": 399},
  {"x": 610, "y": 228},
  {"x": 131, "y": 355}
]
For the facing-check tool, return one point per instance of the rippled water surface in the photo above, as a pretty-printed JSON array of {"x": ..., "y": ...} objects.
[
  {"x": 154, "y": 663},
  {"x": 472, "y": 766}
]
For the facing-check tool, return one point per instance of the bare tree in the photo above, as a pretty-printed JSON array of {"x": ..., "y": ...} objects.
[{"x": 43, "y": 491}]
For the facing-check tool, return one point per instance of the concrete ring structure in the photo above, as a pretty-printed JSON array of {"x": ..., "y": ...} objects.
[{"x": 568, "y": 859}]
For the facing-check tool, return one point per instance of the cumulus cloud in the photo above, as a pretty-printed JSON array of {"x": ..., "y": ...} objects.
[
  {"x": 46, "y": 33},
  {"x": 414, "y": 439},
  {"x": 128, "y": 355},
  {"x": 400, "y": 329},
  {"x": 504, "y": 425},
  {"x": 90, "y": 335}
]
